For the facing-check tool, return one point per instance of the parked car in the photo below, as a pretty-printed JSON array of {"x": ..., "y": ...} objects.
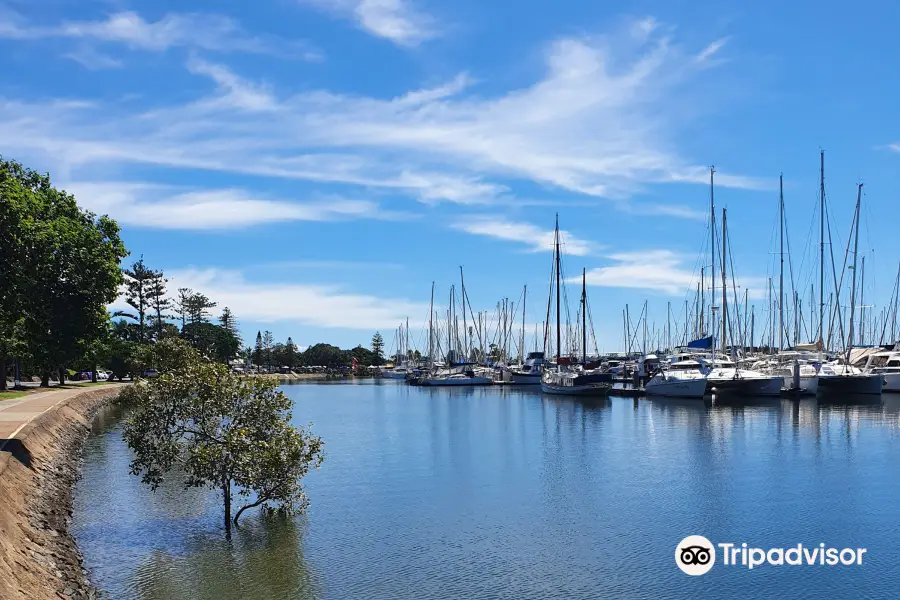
[{"x": 151, "y": 373}]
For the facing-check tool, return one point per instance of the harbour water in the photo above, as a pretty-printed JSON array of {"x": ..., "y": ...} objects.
[{"x": 437, "y": 493}]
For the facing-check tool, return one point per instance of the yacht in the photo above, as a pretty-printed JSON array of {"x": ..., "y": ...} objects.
[
  {"x": 530, "y": 372},
  {"x": 573, "y": 381},
  {"x": 806, "y": 381},
  {"x": 724, "y": 377},
  {"x": 886, "y": 364},
  {"x": 679, "y": 379},
  {"x": 457, "y": 375},
  {"x": 396, "y": 373},
  {"x": 839, "y": 378}
]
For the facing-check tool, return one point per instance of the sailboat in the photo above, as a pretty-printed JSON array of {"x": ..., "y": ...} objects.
[
  {"x": 565, "y": 378},
  {"x": 840, "y": 377}
]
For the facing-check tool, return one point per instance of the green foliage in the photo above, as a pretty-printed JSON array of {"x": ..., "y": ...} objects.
[
  {"x": 228, "y": 321},
  {"x": 222, "y": 431},
  {"x": 213, "y": 341},
  {"x": 325, "y": 355},
  {"x": 258, "y": 351},
  {"x": 378, "y": 349},
  {"x": 139, "y": 284},
  {"x": 59, "y": 269}
]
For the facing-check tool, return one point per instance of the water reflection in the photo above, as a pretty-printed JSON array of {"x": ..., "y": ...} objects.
[{"x": 445, "y": 493}]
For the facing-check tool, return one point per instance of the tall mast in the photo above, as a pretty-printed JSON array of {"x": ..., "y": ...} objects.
[
  {"x": 430, "y": 328},
  {"x": 462, "y": 283},
  {"x": 712, "y": 248},
  {"x": 853, "y": 289},
  {"x": 558, "y": 332},
  {"x": 583, "y": 316},
  {"x": 821, "y": 243},
  {"x": 724, "y": 291},
  {"x": 644, "y": 349},
  {"x": 407, "y": 337},
  {"x": 781, "y": 269},
  {"x": 702, "y": 332},
  {"x": 524, "y": 297},
  {"x": 450, "y": 327},
  {"x": 862, "y": 303}
]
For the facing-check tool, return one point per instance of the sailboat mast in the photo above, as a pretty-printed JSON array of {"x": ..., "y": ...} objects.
[
  {"x": 583, "y": 316},
  {"x": 431, "y": 329},
  {"x": 853, "y": 289},
  {"x": 781, "y": 269},
  {"x": 462, "y": 283},
  {"x": 524, "y": 297},
  {"x": 712, "y": 247},
  {"x": 558, "y": 331},
  {"x": 862, "y": 303},
  {"x": 821, "y": 243},
  {"x": 724, "y": 283}
]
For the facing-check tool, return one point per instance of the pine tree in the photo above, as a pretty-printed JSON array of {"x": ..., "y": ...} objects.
[
  {"x": 378, "y": 348},
  {"x": 158, "y": 300},
  {"x": 182, "y": 304},
  {"x": 268, "y": 343},
  {"x": 138, "y": 294},
  {"x": 258, "y": 351},
  {"x": 228, "y": 322},
  {"x": 289, "y": 353}
]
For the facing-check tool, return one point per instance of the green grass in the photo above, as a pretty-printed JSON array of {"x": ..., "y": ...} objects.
[{"x": 9, "y": 395}]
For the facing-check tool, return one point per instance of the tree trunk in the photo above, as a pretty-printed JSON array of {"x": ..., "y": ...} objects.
[
  {"x": 226, "y": 492},
  {"x": 94, "y": 375},
  {"x": 62, "y": 375},
  {"x": 45, "y": 379},
  {"x": 2, "y": 373}
]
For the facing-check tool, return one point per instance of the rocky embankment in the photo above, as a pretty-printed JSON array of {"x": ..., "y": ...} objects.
[{"x": 38, "y": 469}]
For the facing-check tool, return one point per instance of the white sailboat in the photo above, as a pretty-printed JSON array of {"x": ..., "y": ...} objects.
[
  {"x": 840, "y": 377},
  {"x": 886, "y": 364},
  {"x": 679, "y": 379},
  {"x": 529, "y": 373}
]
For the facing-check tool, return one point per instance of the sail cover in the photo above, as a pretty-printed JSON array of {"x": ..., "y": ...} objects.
[{"x": 704, "y": 343}]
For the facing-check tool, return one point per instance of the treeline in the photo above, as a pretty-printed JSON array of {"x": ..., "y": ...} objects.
[
  {"x": 269, "y": 355},
  {"x": 59, "y": 269}
]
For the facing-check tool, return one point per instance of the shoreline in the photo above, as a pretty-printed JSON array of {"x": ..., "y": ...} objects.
[{"x": 39, "y": 466}]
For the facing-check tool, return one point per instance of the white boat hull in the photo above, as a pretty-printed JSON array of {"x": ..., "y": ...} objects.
[
  {"x": 676, "y": 388},
  {"x": 851, "y": 384},
  {"x": 393, "y": 375}
]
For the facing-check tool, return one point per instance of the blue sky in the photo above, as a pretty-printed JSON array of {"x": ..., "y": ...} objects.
[{"x": 315, "y": 164}]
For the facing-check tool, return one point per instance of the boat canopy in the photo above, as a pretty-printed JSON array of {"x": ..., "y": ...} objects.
[{"x": 705, "y": 343}]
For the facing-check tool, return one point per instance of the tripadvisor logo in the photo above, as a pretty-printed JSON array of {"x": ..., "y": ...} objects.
[{"x": 696, "y": 555}]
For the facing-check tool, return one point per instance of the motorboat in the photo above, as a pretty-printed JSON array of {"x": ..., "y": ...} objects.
[
  {"x": 459, "y": 375},
  {"x": 804, "y": 382},
  {"x": 886, "y": 364},
  {"x": 529, "y": 373},
  {"x": 840, "y": 378},
  {"x": 724, "y": 377},
  {"x": 680, "y": 379}
]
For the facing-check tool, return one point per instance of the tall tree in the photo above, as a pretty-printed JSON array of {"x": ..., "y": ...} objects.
[
  {"x": 159, "y": 301},
  {"x": 378, "y": 348},
  {"x": 229, "y": 322},
  {"x": 258, "y": 352},
  {"x": 222, "y": 432},
  {"x": 183, "y": 304},
  {"x": 60, "y": 268},
  {"x": 139, "y": 282},
  {"x": 268, "y": 344},
  {"x": 290, "y": 350}
]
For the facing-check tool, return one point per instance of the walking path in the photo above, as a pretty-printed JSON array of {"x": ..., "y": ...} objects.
[{"x": 19, "y": 412}]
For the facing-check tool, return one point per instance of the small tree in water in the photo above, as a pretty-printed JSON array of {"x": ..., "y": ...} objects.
[{"x": 223, "y": 432}]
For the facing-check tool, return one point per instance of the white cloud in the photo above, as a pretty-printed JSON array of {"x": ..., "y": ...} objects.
[
  {"x": 661, "y": 271},
  {"x": 894, "y": 147},
  {"x": 713, "y": 48},
  {"x": 194, "y": 30},
  {"x": 537, "y": 239},
  {"x": 395, "y": 20},
  {"x": 316, "y": 305},
  {"x": 93, "y": 60},
  {"x": 600, "y": 122},
  {"x": 163, "y": 207}
]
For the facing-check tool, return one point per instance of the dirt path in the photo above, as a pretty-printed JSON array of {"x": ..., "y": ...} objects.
[{"x": 41, "y": 436}]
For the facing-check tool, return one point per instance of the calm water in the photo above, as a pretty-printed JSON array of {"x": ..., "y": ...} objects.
[{"x": 503, "y": 493}]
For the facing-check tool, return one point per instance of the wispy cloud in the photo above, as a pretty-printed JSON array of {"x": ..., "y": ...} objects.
[
  {"x": 894, "y": 147},
  {"x": 711, "y": 50},
  {"x": 316, "y": 305},
  {"x": 395, "y": 20},
  {"x": 661, "y": 271},
  {"x": 193, "y": 30},
  {"x": 537, "y": 239},
  {"x": 599, "y": 123},
  {"x": 92, "y": 59},
  {"x": 147, "y": 205}
]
